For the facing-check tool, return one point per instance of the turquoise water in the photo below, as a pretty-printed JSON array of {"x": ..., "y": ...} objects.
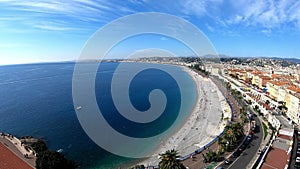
[{"x": 36, "y": 99}]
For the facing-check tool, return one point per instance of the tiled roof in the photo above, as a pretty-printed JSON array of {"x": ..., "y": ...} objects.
[
  {"x": 276, "y": 158},
  {"x": 294, "y": 88}
]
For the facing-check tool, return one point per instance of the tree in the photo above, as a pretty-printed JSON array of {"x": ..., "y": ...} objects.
[
  {"x": 169, "y": 160},
  {"x": 47, "y": 159},
  {"x": 39, "y": 146},
  {"x": 223, "y": 142},
  {"x": 238, "y": 130},
  {"x": 211, "y": 156},
  {"x": 232, "y": 135},
  {"x": 53, "y": 160}
]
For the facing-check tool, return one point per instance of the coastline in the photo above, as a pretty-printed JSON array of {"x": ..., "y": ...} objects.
[{"x": 201, "y": 126}]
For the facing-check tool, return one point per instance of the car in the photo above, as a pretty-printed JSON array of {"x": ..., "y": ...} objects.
[
  {"x": 242, "y": 147},
  {"x": 246, "y": 142},
  {"x": 256, "y": 129},
  {"x": 250, "y": 136},
  {"x": 253, "y": 128},
  {"x": 227, "y": 161},
  {"x": 297, "y": 165},
  {"x": 236, "y": 154}
]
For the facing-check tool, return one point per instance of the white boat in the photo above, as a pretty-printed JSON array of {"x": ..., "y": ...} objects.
[
  {"x": 60, "y": 150},
  {"x": 78, "y": 108}
]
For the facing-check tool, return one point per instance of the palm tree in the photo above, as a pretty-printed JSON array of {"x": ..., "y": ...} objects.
[
  {"x": 232, "y": 134},
  {"x": 223, "y": 143},
  {"x": 231, "y": 137},
  {"x": 211, "y": 156},
  {"x": 169, "y": 160},
  {"x": 238, "y": 130}
]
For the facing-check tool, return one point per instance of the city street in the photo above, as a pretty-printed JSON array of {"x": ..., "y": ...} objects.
[{"x": 245, "y": 158}]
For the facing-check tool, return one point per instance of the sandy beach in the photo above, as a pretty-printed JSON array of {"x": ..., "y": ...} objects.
[{"x": 205, "y": 122}]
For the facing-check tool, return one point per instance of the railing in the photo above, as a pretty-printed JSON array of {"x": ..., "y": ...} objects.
[{"x": 198, "y": 151}]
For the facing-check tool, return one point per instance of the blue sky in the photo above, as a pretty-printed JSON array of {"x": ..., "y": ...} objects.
[{"x": 42, "y": 30}]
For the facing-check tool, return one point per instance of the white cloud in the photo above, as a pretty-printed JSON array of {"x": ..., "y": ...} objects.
[
  {"x": 210, "y": 28},
  {"x": 163, "y": 38},
  {"x": 265, "y": 13},
  {"x": 268, "y": 14},
  {"x": 76, "y": 13},
  {"x": 199, "y": 8},
  {"x": 235, "y": 19},
  {"x": 52, "y": 28},
  {"x": 295, "y": 13},
  {"x": 267, "y": 32}
]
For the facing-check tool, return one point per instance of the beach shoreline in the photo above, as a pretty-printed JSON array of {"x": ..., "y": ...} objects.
[{"x": 187, "y": 139}]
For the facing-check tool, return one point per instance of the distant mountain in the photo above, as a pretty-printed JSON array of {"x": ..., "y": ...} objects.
[{"x": 294, "y": 60}]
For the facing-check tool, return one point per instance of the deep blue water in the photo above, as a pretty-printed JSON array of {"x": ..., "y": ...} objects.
[{"x": 36, "y": 99}]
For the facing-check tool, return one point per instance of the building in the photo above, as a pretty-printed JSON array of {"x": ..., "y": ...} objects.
[
  {"x": 276, "y": 90},
  {"x": 292, "y": 103},
  {"x": 278, "y": 155}
]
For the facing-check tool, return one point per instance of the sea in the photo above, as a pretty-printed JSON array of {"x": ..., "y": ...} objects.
[{"x": 36, "y": 100}]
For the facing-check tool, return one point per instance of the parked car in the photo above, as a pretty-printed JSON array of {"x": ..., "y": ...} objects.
[
  {"x": 236, "y": 153},
  {"x": 227, "y": 161},
  {"x": 242, "y": 147}
]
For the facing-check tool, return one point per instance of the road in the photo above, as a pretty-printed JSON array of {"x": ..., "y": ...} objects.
[
  {"x": 294, "y": 151},
  {"x": 244, "y": 159}
]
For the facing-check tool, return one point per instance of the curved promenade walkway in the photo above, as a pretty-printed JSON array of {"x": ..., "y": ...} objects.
[
  {"x": 197, "y": 161},
  {"x": 205, "y": 124}
]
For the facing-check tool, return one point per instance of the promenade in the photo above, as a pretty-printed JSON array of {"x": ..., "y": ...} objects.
[
  {"x": 208, "y": 119},
  {"x": 197, "y": 161}
]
